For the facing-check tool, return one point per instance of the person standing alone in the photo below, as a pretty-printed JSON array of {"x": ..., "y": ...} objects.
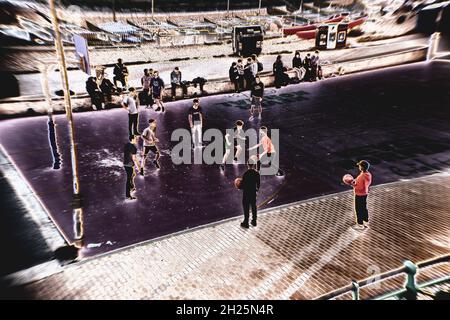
[
  {"x": 129, "y": 104},
  {"x": 250, "y": 185},
  {"x": 256, "y": 96},
  {"x": 196, "y": 123},
  {"x": 129, "y": 163},
  {"x": 361, "y": 190}
]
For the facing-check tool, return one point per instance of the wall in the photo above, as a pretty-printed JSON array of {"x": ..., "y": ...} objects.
[{"x": 218, "y": 86}]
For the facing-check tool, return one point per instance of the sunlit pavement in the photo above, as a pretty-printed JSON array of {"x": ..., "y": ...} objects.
[{"x": 299, "y": 251}]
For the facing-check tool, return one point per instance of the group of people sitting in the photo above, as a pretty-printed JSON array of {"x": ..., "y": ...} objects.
[
  {"x": 307, "y": 69},
  {"x": 101, "y": 89}
]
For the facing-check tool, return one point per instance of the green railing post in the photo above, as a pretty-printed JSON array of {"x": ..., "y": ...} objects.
[
  {"x": 410, "y": 286},
  {"x": 355, "y": 290}
]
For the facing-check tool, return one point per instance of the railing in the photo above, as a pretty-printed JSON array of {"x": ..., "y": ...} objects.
[{"x": 410, "y": 289}]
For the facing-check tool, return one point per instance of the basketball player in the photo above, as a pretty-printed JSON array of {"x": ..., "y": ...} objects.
[
  {"x": 257, "y": 93},
  {"x": 150, "y": 140},
  {"x": 237, "y": 136},
  {"x": 268, "y": 149}
]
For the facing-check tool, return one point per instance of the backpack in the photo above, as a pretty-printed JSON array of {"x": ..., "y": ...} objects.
[{"x": 260, "y": 66}]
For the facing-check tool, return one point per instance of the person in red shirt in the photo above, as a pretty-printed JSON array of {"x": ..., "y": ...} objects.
[
  {"x": 361, "y": 186},
  {"x": 268, "y": 149}
]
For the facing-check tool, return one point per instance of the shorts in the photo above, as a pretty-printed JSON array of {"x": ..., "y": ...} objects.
[
  {"x": 156, "y": 95},
  {"x": 256, "y": 102},
  {"x": 153, "y": 149}
]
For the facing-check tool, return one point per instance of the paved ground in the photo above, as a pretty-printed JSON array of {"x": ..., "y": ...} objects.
[
  {"x": 300, "y": 251},
  {"x": 395, "y": 118}
]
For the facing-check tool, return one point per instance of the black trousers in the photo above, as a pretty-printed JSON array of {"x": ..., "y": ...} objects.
[
  {"x": 249, "y": 202},
  {"x": 97, "y": 99},
  {"x": 362, "y": 214},
  {"x": 236, "y": 85},
  {"x": 121, "y": 79},
  {"x": 133, "y": 124},
  {"x": 173, "y": 87},
  {"x": 241, "y": 83},
  {"x": 130, "y": 180}
]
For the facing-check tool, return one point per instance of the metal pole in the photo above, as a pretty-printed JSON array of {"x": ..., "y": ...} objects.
[
  {"x": 259, "y": 8},
  {"x": 153, "y": 8},
  {"x": 76, "y": 203},
  {"x": 114, "y": 10},
  {"x": 228, "y": 7},
  {"x": 301, "y": 6}
]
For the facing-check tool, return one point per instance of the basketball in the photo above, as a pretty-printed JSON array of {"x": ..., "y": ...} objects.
[
  {"x": 347, "y": 178},
  {"x": 237, "y": 183}
]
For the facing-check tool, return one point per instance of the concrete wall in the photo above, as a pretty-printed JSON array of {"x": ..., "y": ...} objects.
[{"x": 218, "y": 86}]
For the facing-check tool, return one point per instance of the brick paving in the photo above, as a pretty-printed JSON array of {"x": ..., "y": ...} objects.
[{"x": 299, "y": 251}]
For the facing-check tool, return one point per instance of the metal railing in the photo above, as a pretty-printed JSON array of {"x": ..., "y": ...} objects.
[{"x": 410, "y": 290}]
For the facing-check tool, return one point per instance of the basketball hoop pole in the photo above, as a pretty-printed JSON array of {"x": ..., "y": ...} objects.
[
  {"x": 153, "y": 8},
  {"x": 76, "y": 201}
]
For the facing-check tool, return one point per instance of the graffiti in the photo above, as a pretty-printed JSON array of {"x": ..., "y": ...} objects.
[{"x": 272, "y": 100}]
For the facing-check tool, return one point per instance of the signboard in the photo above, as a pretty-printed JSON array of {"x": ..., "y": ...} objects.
[{"x": 81, "y": 47}]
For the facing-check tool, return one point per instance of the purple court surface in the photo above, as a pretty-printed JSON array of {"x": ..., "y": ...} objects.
[{"x": 396, "y": 118}]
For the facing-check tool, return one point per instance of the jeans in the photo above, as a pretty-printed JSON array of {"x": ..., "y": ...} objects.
[
  {"x": 133, "y": 124},
  {"x": 197, "y": 134},
  {"x": 362, "y": 214},
  {"x": 130, "y": 180}
]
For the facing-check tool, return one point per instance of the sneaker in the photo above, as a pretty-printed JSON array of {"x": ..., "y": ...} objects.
[
  {"x": 222, "y": 167},
  {"x": 245, "y": 225},
  {"x": 158, "y": 109},
  {"x": 366, "y": 224},
  {"x": 156, "y": 164},
  {"x": 251, "y": 118},
  {"x": 131, "y": 198},
  {"x": 94, "y": 107},
  {"x": 142, "y": 171},
  {"x": 103, "y": 105},
  {"x": 279, "y": 173},
  {"x": 358, "y": 227},
  {"x": 254, "y": 223}
]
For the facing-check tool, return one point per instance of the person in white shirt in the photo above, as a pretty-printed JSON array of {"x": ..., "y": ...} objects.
[
  {"x": 129, "y": 104},
  {"x": 150, "y": 140}
]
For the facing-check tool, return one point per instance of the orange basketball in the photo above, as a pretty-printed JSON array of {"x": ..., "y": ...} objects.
[
  {"x": 238, "y": 183},
  {"x": 347, "y": 178}
]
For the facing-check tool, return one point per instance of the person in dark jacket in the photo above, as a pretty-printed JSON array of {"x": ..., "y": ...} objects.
[
  {"x": 250, "y": 185},
  {"x": 107, "y": 88},
  {"x": 256, "y": 96},
  {"x": 94, "y": 92},
  {"x": 120, "y": 74},
  {"x": 249, "y": 73},
  {"x": 278, "y": 72},
  {"x": 297, "y": 65},
  {"x": 234, "y": 76},
  {"x": 307, "y": 64},
  {"x": 241, "y": 72}
]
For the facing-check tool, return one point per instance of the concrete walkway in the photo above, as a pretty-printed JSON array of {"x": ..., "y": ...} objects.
[{"x": 298, "y": 251}]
